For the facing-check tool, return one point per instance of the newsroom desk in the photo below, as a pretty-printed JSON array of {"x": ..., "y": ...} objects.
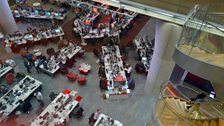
[
  {"x": 57, "y": 112},
  {"x": 104, "y": 120},
  {"x": 146, "y": 51},
  {"x": 28, "y": 38},
  {"x": 64, "y": 53},
  {"x": 117, "y": 89},
  {"x": 20, "y": 92},
  {"x": 97, "y": 32},
  {"x": 39, "y": 14},
  {"x": 4, "y": 70}
]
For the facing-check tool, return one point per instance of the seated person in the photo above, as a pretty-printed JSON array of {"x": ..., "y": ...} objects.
[
  {"x": 128, "y": 69},
  {"x": 52, "y": 95},
  {"x": 103, "y": 83},
  {"x": 91, "y": 120},
  {"x": 26, "y": 106},
  {"x": 131, "y": 83},
  {"x": 139, "y": 67},
  {"x": 45, "y": 65},
  {"x": 101, "y": 71},
  {"x": 78, "y": 111}
]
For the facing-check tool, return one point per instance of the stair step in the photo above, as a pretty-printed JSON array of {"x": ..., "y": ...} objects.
[
  {"x": 199, "y": 122},
  {"x": 213, "y": 123},
  {"x": 221, "y": 122},
  {"x": 205, "y": 123}
]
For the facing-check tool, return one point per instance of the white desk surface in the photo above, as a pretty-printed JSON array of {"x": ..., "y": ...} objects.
[
  {"x": 20, "y": 91},
  {"x": 143, "y": 52},
  {"x": 5, "y": 70},
  {"x": 109, "y": 69},
  {"x": 27, "y": 14},
  {"x": 68, "y": 51},
  {"x": 102, "y": 121},
  {"x": 30, "y": 38},
  {"x": 61, "y": 106}
]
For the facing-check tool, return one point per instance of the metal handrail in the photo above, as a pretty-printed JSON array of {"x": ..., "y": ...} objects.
[{"x": 179, "y": 115}]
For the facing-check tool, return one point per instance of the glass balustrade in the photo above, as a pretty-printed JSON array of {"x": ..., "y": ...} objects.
[{"x": 197, "y": 43}]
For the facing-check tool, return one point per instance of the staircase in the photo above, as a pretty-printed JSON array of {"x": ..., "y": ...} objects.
[{"x": 172, "y": 111}]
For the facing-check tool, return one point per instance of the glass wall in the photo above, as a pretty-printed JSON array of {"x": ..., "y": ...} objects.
[{"x": 199, "y": 44}]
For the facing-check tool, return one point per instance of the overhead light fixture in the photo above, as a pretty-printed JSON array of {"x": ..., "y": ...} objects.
[{"x": 115, "y": 1}]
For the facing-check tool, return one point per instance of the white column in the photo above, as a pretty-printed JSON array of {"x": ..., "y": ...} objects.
[
  {"x": 7, "y": 20},
  {"x": 166, "y": 36}
]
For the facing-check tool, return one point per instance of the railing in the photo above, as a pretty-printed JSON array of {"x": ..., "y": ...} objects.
[{"x": 164, "y": 93}]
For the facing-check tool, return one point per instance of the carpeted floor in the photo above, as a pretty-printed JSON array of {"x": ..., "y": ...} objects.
[{"x": 138, "y": 24}]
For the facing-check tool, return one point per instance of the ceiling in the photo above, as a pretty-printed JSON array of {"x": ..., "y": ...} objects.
[{"x": 181, "y": 6}]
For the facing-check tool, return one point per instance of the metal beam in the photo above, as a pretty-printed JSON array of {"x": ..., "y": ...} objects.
[{"x": 164, "y": 15}]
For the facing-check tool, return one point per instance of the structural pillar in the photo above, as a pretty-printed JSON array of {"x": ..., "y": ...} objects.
[
  {"x": 166, "y": 36},
  {"x": 7, "y": 20}
]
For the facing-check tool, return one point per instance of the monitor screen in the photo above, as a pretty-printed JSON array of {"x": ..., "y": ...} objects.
[
  {"x": 57, "y": 30},
  {"x": 48, "y": 13},
  {"x": 36, "y": 11}
]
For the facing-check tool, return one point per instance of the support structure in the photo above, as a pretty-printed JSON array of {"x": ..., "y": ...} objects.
[
  {"x": 7, "y": 21},
  {"x": 162, "y": 64}
]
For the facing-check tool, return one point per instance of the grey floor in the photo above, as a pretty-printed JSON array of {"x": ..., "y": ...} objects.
[
  {"x": 131, "y": 112},
  {"x": 135, "y": 111}
]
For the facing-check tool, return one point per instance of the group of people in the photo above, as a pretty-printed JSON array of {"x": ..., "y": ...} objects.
[
  {"x": 85, "y": 25},
  {"x": 31, "y": 60}
]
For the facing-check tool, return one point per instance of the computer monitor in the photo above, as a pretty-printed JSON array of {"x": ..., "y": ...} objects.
[
  {"x": 48, "y": 13},
  {"x": 36, "y": 11},
  {"x": 57, "y": 30}
]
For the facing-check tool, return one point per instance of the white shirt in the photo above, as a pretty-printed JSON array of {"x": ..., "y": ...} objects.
[
  {"x": 96, "y": 115},
  {"x": 128, "y": 69},
  {"x": 39, "y": 96}
]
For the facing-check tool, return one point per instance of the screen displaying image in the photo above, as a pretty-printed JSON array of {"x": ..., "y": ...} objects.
[
  {"x": 48, "y": 13},
  {"x": 36, "y": 11},
  {"x": 57, "y": 30}
]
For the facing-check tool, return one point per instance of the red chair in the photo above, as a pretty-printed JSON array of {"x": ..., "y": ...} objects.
[
  {"x": 9, "y": 78},
  {"x": 82, "y": 80},
  {"x": 71, "y": 76},
  {"x": 66, "y": 91},
  {"x": 78, "y": 98}
]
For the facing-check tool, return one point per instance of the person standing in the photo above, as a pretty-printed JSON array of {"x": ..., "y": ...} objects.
[
  {"x": 37, "y": 64},
  {"x": 96, "y": 114},
  {"x": 27, "y": 65},
  {"x": 40, "y": 98},
  {"x": 30, "y": 59}
]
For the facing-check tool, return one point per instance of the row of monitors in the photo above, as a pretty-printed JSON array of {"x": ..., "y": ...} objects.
[{"x": 46, "y": 13}]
